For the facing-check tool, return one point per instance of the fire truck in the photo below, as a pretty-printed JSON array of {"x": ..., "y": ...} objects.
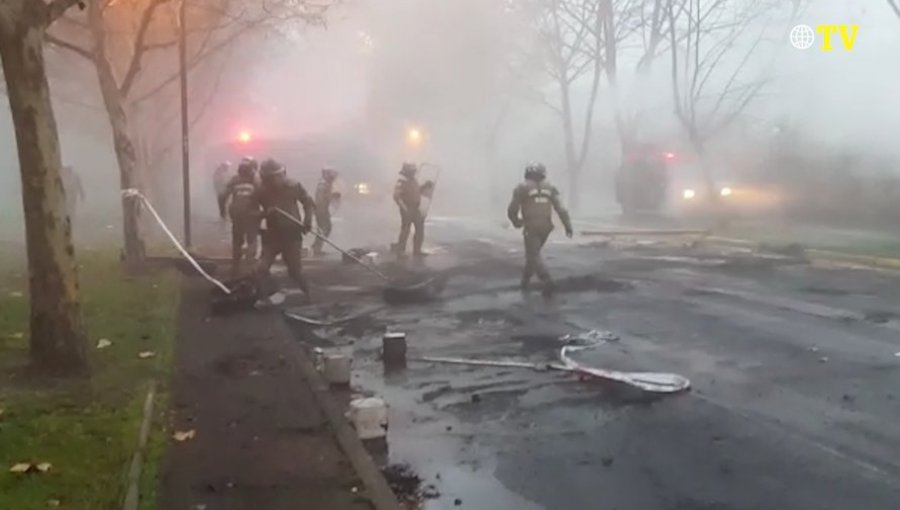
[
  {"x": 655, "y": 181},
  {"x": 304, "y": 159},
  {"x": 642, "y": 181}
]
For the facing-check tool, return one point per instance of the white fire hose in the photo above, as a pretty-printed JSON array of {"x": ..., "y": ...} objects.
[{"x": 134, "y": 193}]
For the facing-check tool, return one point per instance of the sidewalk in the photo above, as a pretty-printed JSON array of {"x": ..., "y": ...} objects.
[
  {"x": 847, "y": 240},
  {"x": 260, "y": 439}
]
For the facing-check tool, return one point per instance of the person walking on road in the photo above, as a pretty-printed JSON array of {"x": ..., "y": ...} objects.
[
  {"x": 531, "y": 209},
  {"x": 73, "y": 188},
  {"x": 326, "y": 195},
  {"x": 221, "y": 177},
  {"x": 281, "y": 235},
  {"x": 241, "y": 194},
  {"x": 408, "y": 196}
]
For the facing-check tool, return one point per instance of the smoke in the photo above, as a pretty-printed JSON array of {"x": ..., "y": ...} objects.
[{"x": 470, "y": 76}]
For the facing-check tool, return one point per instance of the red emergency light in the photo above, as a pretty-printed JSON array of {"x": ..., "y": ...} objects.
[
  {"x": 669, "y": 155},
  {"x": 245, "y": 137}
]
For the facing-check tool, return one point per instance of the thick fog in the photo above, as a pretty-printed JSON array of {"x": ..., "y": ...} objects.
[{"x": 470, "y": 76}]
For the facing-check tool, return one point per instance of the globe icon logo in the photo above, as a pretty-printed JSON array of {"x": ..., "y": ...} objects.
[{"x": 803, "y": 37}]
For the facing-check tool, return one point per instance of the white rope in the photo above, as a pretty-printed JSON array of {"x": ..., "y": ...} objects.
[{"x": 135, "y": 193}]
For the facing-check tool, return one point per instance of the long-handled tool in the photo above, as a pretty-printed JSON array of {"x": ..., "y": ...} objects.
[
  {"x": 424, "y": 290},
  {"x": 327, "y": 241},
  {"x": 652, "y": 382}
]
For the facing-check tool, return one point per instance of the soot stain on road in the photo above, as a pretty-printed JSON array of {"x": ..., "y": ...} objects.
[
  {"x": 247, "y": 363},
  {"x": 591, "y": 282}
]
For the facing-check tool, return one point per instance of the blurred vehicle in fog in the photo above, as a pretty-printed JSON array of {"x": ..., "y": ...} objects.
[
  {"x": 656, "y": 181},
  {"x": 304, "y": 159},
  {"x": 642, "y": 181}
]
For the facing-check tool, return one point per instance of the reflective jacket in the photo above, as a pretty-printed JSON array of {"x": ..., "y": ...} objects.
[
  {"x": 243, "y": 193},
  {"x": 286, "y": 197},
  {"x": 407, "y": 192},
  {"x": 536, "y": 201}
]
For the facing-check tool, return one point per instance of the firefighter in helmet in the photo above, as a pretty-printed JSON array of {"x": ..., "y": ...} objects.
[
  {"x": 281, "y": 199},
  {"x": 220, "y": 180},
  {"x": 242, "y": 197},
  {"x": 326, "y": 195},
  {"x": 531, "y": 209},
  {"x": 408, "y": 197},
  {"x": 73, "y": 188}
]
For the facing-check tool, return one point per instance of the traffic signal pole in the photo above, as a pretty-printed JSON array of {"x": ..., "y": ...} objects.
[{"x": 185, "y": 127}]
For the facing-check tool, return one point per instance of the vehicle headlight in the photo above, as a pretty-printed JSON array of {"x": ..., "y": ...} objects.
[
  {"x": 362, "y": 188},
  {"x": 688, "y": 194},
  {"x": 726, "y": 192}
]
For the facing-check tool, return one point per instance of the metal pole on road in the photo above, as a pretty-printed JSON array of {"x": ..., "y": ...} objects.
[{"x": 185, "y": 145}]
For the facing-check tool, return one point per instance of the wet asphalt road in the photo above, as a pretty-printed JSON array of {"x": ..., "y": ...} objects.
[{"x": 795, "y": 369}]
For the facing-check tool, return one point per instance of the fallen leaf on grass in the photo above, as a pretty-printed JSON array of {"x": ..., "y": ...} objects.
[
  {"x": 1, "y": 412},
  {"x": 26, "y": 467},
  {"x": 55, "y": 503},
  {"x": 146, "y": 354},
  {"x": 17, "y": 335},
  {"x": 184, "y": 436},
  {"x": 20, "y": 468},
  {"x": 103, "y": 343},
  {"x": 15, "y": 294}
]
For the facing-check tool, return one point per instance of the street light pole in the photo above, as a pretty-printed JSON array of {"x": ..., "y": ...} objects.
[{"x": 185, "y": 146}]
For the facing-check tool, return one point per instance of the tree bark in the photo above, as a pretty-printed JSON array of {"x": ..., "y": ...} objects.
[
  {"x": 573, "y": 168},
  {"x": 126, "y": 157},
  {"x": 126, "y": 152},
  {"x": 58, "y": 343}
]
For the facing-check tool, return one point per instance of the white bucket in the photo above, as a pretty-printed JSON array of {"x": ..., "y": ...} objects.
[
  {"x": 369, "y": 417},
  {"x": 336, "y": 369}
]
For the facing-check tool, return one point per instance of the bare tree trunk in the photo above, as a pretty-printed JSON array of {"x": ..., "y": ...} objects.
[
  {"x": 126, "y": 156},
  {"x": 573, "y": 169},
  {"x": 57, "y": 343},
  {"x": 126, "y": 153},
  {"x": 490, "y": 152}
]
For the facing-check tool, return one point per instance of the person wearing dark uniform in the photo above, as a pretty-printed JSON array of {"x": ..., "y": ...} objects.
[
  {"x": 408, "y": 196},
  {"x": 281, "y": 235},
  {"x": 242, "y": 191},
  {"x": 326, "y": 195},
  {"x": 220, "y": 180},
  {"x": 531, "y": 209},
  {"x": 74, "y": 191}
]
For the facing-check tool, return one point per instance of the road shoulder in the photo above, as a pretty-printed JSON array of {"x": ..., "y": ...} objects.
[{"x": 258, "y": 436}]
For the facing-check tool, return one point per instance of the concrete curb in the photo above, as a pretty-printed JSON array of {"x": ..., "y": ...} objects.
[
  {"x": 133, "y": 495},
  {"x": 822, "y": 255},
  {"x": 376, "y": 487}
]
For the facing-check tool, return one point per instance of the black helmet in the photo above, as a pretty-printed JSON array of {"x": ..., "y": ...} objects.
[
  {"x": 271, "y": 168},
  {"x": 247, "y": 166},
  {"x": 536, "y": 172},
  {"x": 408, "y": 169}
]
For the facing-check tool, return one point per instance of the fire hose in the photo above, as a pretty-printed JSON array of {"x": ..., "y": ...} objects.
[{"x": 134, "y": 193}]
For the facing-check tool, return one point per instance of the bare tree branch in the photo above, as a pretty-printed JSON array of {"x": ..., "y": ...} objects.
[
  {"x": 589, "y": 116},
  {"x": 57, "y": 8},
  {"x": 139, "y": 47},
  {"x": 676, "y": 92},
  {"x": 895, "y": 5},
  {"x": 78, "y": 50},
  {"x": 68, "y": 19},
  {"x": 198, "y": 115},
  {"x": 201, "y": 54},
  {"x": 734, "y": 76}
]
